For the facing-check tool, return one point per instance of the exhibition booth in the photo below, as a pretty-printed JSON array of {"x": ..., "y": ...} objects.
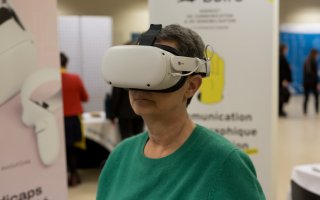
[
  {"x": 219, "y": 105},
  {"x": 238, "y": 99}
]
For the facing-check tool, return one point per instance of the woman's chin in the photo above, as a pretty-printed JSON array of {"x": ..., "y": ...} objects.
[{"x": 140, "y": 109}]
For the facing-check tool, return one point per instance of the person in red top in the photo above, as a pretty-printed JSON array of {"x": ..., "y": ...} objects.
[{"x": 74, "y": 93}]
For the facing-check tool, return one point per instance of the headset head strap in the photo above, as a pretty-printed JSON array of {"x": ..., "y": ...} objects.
[{"x": 148, "y": 38}]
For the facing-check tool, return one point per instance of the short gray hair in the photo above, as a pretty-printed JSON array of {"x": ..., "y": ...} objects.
[{"x": 189, "y": 42}]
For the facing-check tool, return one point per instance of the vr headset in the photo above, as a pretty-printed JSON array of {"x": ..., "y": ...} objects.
[
  {"x": 17, "y": 53},
  {"x": 149, "y": 66}
]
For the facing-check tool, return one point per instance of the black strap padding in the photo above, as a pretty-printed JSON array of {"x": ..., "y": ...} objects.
[
  {"x": 176, "y": 87},
  {"x": 148, "y": 38},
  {"x": 168, "y": 48}
]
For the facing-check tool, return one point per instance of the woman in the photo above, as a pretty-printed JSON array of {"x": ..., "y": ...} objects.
[
  {"x": 176, "y": 158},
  {"x": 310, "y": 80}
]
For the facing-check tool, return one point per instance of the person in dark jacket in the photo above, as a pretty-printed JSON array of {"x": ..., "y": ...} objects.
[
  {"x": 311, "y": 80},
  {"x": 118, "y": 107},
  {"x": 284, "y": 80}
]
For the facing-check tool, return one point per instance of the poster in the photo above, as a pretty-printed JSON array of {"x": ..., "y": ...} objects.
[
  {"x": 32, "y": 150},
  {"x": 238, "y": 99}
]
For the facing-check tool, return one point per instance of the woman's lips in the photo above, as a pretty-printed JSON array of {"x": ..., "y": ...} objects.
[
  {"x": 142, "y": 100},
  {"x": 141, "y": 96}
]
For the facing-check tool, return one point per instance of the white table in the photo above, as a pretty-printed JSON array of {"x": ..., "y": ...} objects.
[
  {"x": 305, "y": 182},
  {"x": 100, "y": 130}
]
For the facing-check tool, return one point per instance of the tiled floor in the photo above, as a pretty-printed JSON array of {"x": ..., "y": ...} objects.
[
  {"x": 87, "y": 189},
  {"x": 298, "y": 140}
]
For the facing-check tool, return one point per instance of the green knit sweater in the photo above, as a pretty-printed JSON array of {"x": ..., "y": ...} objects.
[{"x": 205, "y": 167}]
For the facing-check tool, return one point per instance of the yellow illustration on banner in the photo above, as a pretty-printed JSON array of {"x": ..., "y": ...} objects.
[
  {"x": 211, "y": 90},
  {"x": 251, "y": 151}
]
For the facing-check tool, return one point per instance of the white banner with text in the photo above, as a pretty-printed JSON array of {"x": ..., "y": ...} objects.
[{"x": 238, "y": 99}]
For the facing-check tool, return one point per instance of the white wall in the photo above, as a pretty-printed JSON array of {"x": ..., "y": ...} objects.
[
  {"x": 299, "y": 11},
  {"x": 84, "y": 40},
  {"x": 128, "y": 15},
  {"x": 132, "y": 15}
]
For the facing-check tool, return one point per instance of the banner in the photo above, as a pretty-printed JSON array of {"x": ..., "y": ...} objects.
[
  {"x": 32, "y": 150},
  {"x": 238, "y": 99},
  {"x": 299, "y": 39}
]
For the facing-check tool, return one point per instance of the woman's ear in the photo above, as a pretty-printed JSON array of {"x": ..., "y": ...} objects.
[{"x": 193, "y": 84}]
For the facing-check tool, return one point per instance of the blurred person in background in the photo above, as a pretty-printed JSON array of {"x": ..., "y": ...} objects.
[
  {"x": 119, "y": 111},
  {"x": 311, "y": 80},
  {"x": 285, "y": 79},
  {"x": 74, "y": 93}
]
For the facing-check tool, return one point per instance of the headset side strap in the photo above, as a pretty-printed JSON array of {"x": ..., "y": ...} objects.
[{"x": 188, "y": 64}]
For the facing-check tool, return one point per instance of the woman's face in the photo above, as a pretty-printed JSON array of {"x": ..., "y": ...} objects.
[{"x": 146, "y": 103}]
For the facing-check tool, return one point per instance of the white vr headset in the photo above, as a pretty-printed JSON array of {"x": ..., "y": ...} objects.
[
  {"x": 147, "y": 67},
  {"x": 17, "y": 53}
]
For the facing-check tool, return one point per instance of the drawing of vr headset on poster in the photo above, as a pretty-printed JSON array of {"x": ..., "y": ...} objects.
[{"x": 19, "y": 74}]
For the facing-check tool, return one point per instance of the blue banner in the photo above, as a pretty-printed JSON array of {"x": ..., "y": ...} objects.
[{"x": 299, "y": 46}]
